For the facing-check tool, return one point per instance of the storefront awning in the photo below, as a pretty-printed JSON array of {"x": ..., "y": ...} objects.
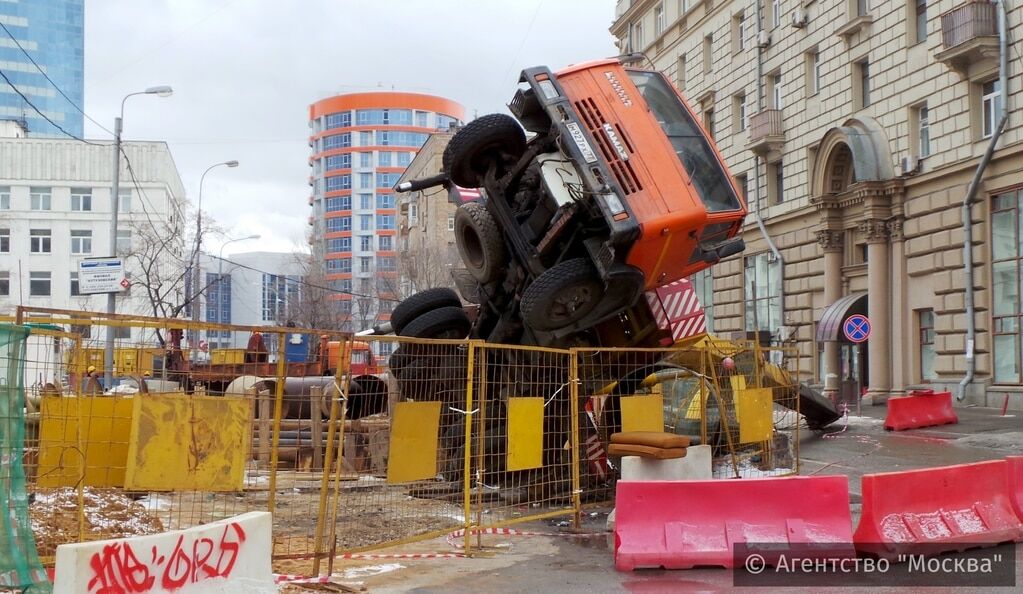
[{"x": 830, "y": 327}]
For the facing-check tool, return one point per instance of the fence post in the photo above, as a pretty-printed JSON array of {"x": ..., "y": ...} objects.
[
  {"x": 338, "y": 408},
  {"x": 316, "y": 438},
  {"x": 480, "y": 440},
  {"x": 265, "y": 414},
  {"x": 278, "y": 407},
  {"x": 466, "y": 478},
  {"x": 576, "y": 439}
]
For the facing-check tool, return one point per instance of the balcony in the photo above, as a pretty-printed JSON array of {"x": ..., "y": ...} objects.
[
  {"x": 969, "y": 36},
  {"x": 766, "y": 132}
]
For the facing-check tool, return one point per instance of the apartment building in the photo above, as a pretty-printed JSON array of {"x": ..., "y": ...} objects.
[
  {"x": 55, "y": 210},
  {"x": 855, "y": 128}
]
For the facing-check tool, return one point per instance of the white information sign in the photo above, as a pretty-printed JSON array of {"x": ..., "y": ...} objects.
[{"x": 101, "y": 275}]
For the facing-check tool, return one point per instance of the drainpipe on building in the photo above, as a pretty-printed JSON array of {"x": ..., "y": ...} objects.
[
  {"x": 761, "y": 104},
  {"x": 971, "y": 194}
]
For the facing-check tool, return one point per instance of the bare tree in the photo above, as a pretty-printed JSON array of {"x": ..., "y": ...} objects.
[{"x": 314, "y": 308}]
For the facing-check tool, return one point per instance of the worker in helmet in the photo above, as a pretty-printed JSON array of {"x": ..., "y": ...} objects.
[{"x": 93, "y": 385}]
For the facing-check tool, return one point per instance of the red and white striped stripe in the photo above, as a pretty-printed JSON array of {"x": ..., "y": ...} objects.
[
  {"x": 457, "y": 534},
  {"x": 676, "y": 306}
]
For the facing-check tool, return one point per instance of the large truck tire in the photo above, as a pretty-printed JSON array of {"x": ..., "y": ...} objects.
[
  {"x": 491, "y": 138},
  {"x": 479, "y": 242},
  {"x": 420, "y": 303},
  {"x": 562, "y": 295},
  {"x": 444, "y": 322}
]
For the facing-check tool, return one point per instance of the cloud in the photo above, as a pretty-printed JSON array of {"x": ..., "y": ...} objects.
[{"x": 245, "y": 71}]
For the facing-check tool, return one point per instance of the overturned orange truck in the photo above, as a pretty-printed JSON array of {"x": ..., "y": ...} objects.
[{"x": 601, "y": 189}]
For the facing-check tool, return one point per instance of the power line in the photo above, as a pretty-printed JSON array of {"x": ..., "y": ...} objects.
[
  {"x": 55, "y": 85},
  {"x": 43, "y": 115}
]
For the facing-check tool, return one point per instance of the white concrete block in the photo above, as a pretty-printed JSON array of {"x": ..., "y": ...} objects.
[
  {"x": 231, "y": 556},
  {"x": 694, "y": 467}
]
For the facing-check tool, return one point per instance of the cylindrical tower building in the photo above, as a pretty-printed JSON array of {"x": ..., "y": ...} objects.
[{"x": 361, "y": 143}]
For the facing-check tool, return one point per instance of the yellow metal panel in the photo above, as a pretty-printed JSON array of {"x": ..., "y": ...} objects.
[
  {"x": 413, "y": 447},
  {"x": 643, "y": 413},
  {"x": 90, "y": 432},
  {"x": 738, "y": 383},
  {"x": 227, "y": 356},
  {"x": 525, "y": 433},
  {"x": 197, "y": 443},
  {"x": 753, "y": 412}
]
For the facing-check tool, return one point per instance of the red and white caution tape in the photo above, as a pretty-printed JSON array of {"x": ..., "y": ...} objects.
[{"x": 454, "y": 536}]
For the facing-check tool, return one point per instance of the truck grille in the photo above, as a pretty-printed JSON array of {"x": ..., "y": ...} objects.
[{"x": 622, "y": 170}]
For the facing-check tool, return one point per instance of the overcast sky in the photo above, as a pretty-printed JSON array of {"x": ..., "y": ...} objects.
[{"x": 245, "y": 71}]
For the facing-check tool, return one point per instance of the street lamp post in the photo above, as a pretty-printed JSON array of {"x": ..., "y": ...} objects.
[
  {"x": 115, "y": 207},
  {"x": 194, "y": 297},
  {"x": 220, "y": 268}
]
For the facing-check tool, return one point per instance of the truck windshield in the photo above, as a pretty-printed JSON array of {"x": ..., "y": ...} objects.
[{"x": 691, "y": 146}]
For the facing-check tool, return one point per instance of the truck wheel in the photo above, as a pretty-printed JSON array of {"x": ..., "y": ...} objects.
[
  {"x": 420, "y": 303},
  {"x": 491, "y": 138},
  {"x": 443, "y": 322},
  {"x": 479, "y": 242},
  {"x": 562, "y": 295}
]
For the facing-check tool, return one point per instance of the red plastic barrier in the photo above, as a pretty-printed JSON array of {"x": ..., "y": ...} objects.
[
  {"x": 683, "y": 524},
  {"x": 1015, "y": 464},
  {"x": 947, "y": 509},
  {"x": 924, "y": 408}
]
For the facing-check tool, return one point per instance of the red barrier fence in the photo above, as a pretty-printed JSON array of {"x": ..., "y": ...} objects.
[
  {"x": 920, "y": 408},
  {"x": 683, "y": 524},
  {"x": 947, "y": 508}
]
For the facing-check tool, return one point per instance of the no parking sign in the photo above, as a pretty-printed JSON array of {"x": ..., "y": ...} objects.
[{"x": 856, "y": 328}]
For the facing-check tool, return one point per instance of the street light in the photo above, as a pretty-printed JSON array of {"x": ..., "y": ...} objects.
[
  {"x": 194, "y": 297},
  {"x": 115, "y": 202},
  {"x": 220, "y": 267}
]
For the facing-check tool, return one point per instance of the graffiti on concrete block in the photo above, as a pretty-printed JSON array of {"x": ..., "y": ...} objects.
[{"x": 121, "y": 569}]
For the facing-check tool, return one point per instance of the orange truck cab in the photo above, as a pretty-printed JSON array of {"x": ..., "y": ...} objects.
[
  {"x": 616, "y": 191},
  {"x": 362, "y": 360}
]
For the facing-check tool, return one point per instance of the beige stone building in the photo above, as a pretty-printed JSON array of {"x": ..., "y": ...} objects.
[
  {"x": 856, "y": 127},
  {"x": 426, "y": 223}
]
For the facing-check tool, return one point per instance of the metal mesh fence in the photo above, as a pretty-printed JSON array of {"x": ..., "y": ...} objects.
[{"x": 355, "y": 443}]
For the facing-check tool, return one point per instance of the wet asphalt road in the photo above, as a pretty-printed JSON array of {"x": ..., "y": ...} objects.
[{"x": 586, "y": 565}]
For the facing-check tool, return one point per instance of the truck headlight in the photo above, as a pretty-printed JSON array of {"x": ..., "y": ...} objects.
[{"x": 614, "y": 203}]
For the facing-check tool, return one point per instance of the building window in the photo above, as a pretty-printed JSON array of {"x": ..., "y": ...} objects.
[
  {"x": 708, "y": 47},
  {"x": 74, "y": 285},
  {"x": 775, "y": 13},
  {"x": 366, "y": 243},
  {"x": 921, "y": 129},
  {"x": 5, "y": 283},
  {"x": 339, "y": 162},
  {"x": 5, "y": 197},
  {"x": 813, "y": 72},
  {"x": 365, "y": 159},
  {"x": 386, "y": 243},
  {"x": 337, "y": 141},
  {"x": 991, "y": 106},
  {"x": 81, "y": 242},
  {"x": 365, "y": 263},
  {"x": 124, "y": 201},
  {"x": 386, "y": 264},
  {"x": 660, "y": 21},
  {"x": 742, "y": 181},
  {"x": 776, "y": 182},
  {"x": 39, "y": 284},
  {"x": 920, "y": 22},
  {"x": 339, "y": 203},
  {"x": 39, "y": 241},
  {"x": 385, "y": 201},
  {"x": 926, "y": 323},
  {"x": 451, "y": 222},
  {"x": 680, "y": 73},
  {"x": 1006, "y": 262},
  {"x": 387, "y": 180},
  {"x": 39, "y": 198},
  {"x": 339, "y": 182},
  {"x": 385, "y": 222},
  {"x": 413, "y": 213},
  {"x": 775, "y": 91},
  {"x": 738, "y": 32},
  {"x": 708, "y": 121},
  {"x": 862, "y": 7},
  {"x": 861, "y": 84},
  {"x": 421, "y": 119},
  {"x": 403, "y": 159},
  {"x": 123, "y": 241},
  {"x": 339, "y": 120},
  {"x": 763, "y": 292},
  {"x": 365, "y": 222},
  {"x": 703, "y": 285},
  {"x": 383, "y": 159},
  {"x": 739, "y": 114},
  {"x": 636, "y": 37},
  {"x": 81, "y": 199},
  {"x": 5, "y": 241}
]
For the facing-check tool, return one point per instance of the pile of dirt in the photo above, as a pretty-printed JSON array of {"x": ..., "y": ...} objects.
[{"x": 109, "y": 513}]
